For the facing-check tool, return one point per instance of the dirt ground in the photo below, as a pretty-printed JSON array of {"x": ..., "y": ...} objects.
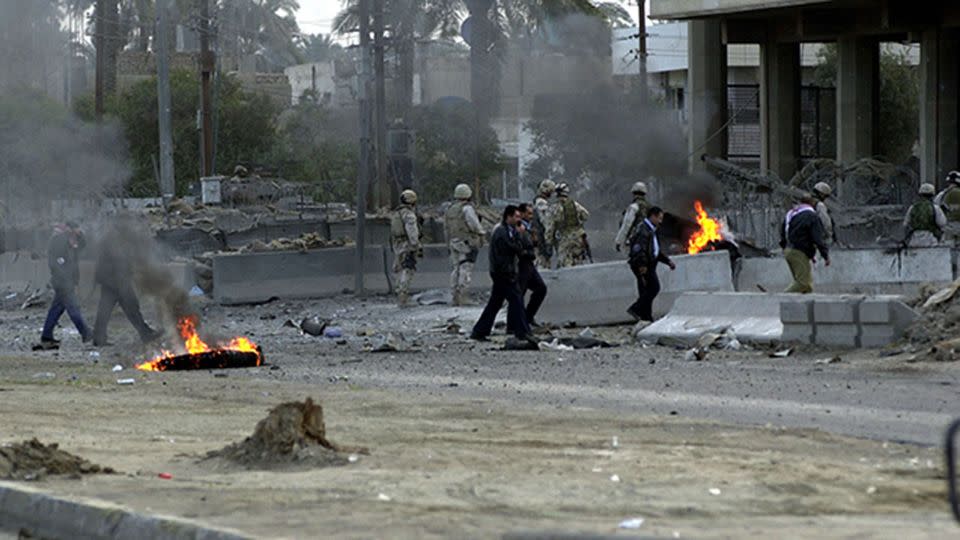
[
  {"x": 466, "y": 468},
  {"x": 444, "y": 462}
]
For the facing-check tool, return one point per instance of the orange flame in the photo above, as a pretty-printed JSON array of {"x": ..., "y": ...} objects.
[
  {"x": 709, "y": 231},
  {"x": 187, "y": 326}
]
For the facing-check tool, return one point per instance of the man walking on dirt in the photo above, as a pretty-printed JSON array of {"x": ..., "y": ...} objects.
[
  {"x": 505, "y": 250},
  {"x": 645, "y": 255},
  {"x": 528, "y": 277},
  {"x": 801, "y": 236},
  {"x": 62, "y": 258}
]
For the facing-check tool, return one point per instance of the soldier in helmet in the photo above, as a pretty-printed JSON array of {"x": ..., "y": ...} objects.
[
  {"x": 949, "y": 198},
  {"x": 405, "y": 238},
  {"x": 543, "y": 224},
  {"x": 633, "y": 216},
  {"x": 822, "y": 191},
  {"x": 464, "y": 238},
  {"x": 925, "y": 220},
  {"x": 568, "y": 219}
]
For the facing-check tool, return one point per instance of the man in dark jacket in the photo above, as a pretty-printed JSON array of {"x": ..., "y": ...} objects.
[
  {"x": 645, "y": 255},
  {"x": 505, "y": 250},
  {"x": 528, "y": 277},
  {"x": 801, "y": 236},
  {"x": 114, "y": 274},
  {"x": 62, "y": 258}
]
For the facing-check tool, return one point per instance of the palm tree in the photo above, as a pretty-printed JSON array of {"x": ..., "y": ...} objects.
[
  {"x": 267, "y": 28},
  {"x": 413, "y": 20}
]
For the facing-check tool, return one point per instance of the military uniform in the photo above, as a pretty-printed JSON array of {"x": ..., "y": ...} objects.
[
  {"x": 464, "y": 237},
  {"x": 569, "y": 217},
  {"x": 543, "y": 229},
  {"x": 633, "y": 216},
  {"x": 949, "y": 200},
  {"x": 405, "y": 239},
  {"x": 925, "y": 220}
]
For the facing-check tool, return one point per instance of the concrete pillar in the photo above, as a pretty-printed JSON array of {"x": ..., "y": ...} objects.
[
  {"x": 858, "y": 97},
  {"x": 780, "y": 108},
  {"x": 939, "y": 111},
  {"x": 707, "y": 91}
]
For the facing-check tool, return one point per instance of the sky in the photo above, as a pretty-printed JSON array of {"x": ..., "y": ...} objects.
[{"x": 316, "y": 16}]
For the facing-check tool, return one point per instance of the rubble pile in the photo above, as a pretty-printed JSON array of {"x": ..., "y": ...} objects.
[
  {"x": 292, "y": 434},
  {"x": 938, "y": 327},
  {"x": 33, "y": 460},
  {"x": 306, "y": 242}
]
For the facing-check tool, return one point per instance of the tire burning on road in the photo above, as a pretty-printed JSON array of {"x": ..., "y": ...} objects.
[{"x": 239, "y": 352}]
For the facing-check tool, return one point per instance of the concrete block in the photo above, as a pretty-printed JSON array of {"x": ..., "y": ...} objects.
[
  {"x": 835, "y": 310},
  {"x": 876, "y": 311},
  {"x": 797, "y": 333},
  {"x": 256, "y": 277},
  {"x": 859, "y": 271},
  {"x": 796, "y": 312},
  {"x": 877, "y": 335},
  {"x": 838, "y": 335},
  {"x": 433, "y": 270},
  {"x": 600, "y": 293}
]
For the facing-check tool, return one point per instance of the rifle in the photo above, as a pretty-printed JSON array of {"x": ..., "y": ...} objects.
[{"x": 586, "y": 248}]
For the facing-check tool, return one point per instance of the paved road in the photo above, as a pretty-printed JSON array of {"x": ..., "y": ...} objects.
[{"x": 866, "y": 397}]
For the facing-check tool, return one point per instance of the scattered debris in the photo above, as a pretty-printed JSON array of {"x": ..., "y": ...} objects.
[
  {"x": 384, "y": 497},
  {"x": 332, "y": 332},
  {"x": 165, "y": 476},
  {"x": 833, "y": 360},
  {"x": 292, "y": 434},
  {"x": 514, "y": 344},
  {"x": 434, "y": 297},
  {"x": 615, "y": 478},
  {"x": 696, "y": 354},
  {"x": 781, "y": 353},
  {"x": 632, "y": 523},
  {"x": 33, "y": 460},
  {"x": 305, "y": 242},
  {"x": 44, "y": 375},
  {"x": 117, "y": 368},
  {"x": 314, "y": 326},
  {"x": 715, "y": 492},
  {"x": 125, "y": 382},
  {"x": 587, "y": 333},
  {"x": 554, "y": 346}
]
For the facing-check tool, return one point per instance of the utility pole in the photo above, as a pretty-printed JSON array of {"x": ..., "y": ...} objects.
[
  {"x": 363, "y": 171},
  {"x": 167, "y": 181},
  {"x": 642, "y": 50},
  {"x": 208, "y": 63},
  {"x": 384, "y": 192}
]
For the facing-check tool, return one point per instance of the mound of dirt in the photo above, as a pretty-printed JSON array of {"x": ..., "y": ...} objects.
[
  {"x": 939, "y": 324},
  {"x": 291, "y": 434},
  {"x": 33, "y": 460}
]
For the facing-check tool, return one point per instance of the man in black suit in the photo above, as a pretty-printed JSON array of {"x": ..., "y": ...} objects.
[
  {"x": 645, "y": 255},
  {"x": 505, "y": 251}
]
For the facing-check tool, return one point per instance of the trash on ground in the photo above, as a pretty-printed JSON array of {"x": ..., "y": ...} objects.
[
  {"x": 165, "y": 476},
  {"x": 715, "y": 491},
  {"x": 117, "y": 368},
  {"x": 696, "y": 354},
  {"x": 125, "y": 382},
  {"x": 832, "y": 360},
  {"x": 615, "y": 478},
  {"x": 314, "y": 326},
  {"x": 632, "y": 523},
  {"x": 332, "y": 332},
  {"x": 782, "y": 353},
  {"x": 554, "y": 345}
]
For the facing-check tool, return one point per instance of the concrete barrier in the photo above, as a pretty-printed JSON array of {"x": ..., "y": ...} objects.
[
  {"x": 857, "y": 271},
  {"x": 830, "y": 320},
  {"x": 433, "y": 271},
  {"x": 600, "y": 293},
  {"x": 257, "y": 277}
]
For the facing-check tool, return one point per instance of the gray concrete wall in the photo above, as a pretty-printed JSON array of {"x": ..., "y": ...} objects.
[
  {"x": 257, "y": 277},
  {"x": 433, "y": 271},
  {"x": 870, "y": 271},
  {"x": 601, "y": 293}
]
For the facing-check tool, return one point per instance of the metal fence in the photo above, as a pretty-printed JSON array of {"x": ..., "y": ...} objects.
[{"x": 818, "y": 118}]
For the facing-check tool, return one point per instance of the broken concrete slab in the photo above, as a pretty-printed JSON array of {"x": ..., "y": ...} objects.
[
  {"x": 758, "y": 317},
  {"x": 600, "y": 293}
]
